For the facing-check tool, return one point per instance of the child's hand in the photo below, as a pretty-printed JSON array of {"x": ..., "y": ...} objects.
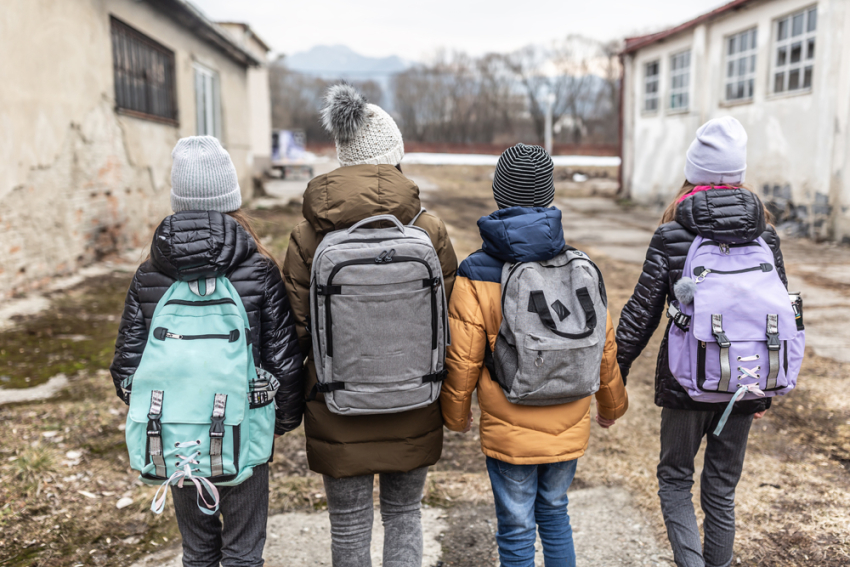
[
  {"x": 604, "y": 423},
  {"x": 278, "y": 435},
  {"x": 759, "y": 415},
  {"x": 469, "y": 420}
]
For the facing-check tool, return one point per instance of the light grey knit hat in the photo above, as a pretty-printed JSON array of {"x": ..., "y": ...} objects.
[
  {"x": 718, "y": 155},
  {"x": 203, "y": 177},
  {"x": 364, "y": 133}
]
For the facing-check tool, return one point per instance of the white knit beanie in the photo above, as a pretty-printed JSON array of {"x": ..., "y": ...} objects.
[
  {"x": 718, "y": 155},
  {"x": 364, "y": 133},
  {"x": 203, "y": 177}
]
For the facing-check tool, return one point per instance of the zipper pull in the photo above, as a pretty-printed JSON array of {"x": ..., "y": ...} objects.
[
  {"x": 539, "y": 360},
  {"x": 724, "y": 248},
  {"x": 701, "y": 277},
  {"x": 380, "y": 259},
  {"x": 390, "y": 255},
  {"x": 173, "y": 336}
]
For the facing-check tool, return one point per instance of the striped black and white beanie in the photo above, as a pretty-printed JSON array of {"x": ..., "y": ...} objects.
[{"x": 525, "y": 177}]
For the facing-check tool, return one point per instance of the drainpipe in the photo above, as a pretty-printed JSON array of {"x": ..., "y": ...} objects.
[{"x": 621, "y": 191}]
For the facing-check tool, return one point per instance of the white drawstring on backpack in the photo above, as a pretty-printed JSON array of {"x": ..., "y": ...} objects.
[{"x": 158, "y": 504}]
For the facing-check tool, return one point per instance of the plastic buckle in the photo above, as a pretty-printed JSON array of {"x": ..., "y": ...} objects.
[
  {"x": 722, "y": 340},
  {"x": 217, "y": 427},
  {"x": 154, "y": 425},
  {"x": 773, "y": 341}
]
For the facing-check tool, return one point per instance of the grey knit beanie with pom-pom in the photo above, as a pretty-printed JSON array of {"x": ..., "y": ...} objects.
[{"x": 364, "y": 133}]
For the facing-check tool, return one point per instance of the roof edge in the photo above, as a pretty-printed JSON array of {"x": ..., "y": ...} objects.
[
  {"x": 635, "y": 43},
  {"x": 186, "y": 14}
]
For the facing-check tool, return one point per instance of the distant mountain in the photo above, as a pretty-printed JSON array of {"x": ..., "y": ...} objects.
[{"x": 339, "y": 61}]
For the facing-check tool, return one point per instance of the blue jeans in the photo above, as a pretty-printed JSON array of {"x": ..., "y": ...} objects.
[{"x": 529, "y": 496}]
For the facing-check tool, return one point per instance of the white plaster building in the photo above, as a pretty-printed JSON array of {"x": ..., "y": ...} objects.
[
  {"x": 781, "y": 67},
  {"x": 259, "y": 95},
  {"x": 95, "y": 95}
]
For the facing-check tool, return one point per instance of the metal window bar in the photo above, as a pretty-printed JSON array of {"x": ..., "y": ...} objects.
[{"x": 144, "y": 75}]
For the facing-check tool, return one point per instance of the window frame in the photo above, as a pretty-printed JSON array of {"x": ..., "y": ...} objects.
[
  {"x": 656, "y": 78},
  {"x": 135, "y": 57},
  {"x": 807, "y": 39},
  {"x": 684, "y": 89},
  {"x": 734, "y": 59},
  {"x": 210, "y": 110}
]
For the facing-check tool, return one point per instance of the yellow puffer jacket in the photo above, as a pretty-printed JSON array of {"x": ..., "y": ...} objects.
[{"x": 513, "y": 433}]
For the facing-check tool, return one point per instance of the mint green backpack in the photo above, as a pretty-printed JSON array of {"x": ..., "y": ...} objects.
[{"x": 199, "y": 410}]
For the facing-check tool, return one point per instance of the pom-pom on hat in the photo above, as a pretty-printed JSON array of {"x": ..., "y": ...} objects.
[
  {"x": 718, "y": 155},
  {"x": 363, "y": 133}
]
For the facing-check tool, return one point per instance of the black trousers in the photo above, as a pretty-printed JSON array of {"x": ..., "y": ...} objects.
[
  {"x": 681, "y": 435},
  {"x": 239, "y": 543}
]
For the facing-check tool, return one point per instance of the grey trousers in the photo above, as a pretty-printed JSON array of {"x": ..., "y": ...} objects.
[
  {"x": 681, "y": 435},
  {"x": 244, "y": 509},
  {"x": 351, "y": 512}
]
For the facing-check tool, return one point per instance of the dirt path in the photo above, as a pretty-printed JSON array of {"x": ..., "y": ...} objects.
[{"x": 64, "y": 470}]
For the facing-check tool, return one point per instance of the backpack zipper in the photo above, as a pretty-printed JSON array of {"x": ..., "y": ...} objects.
[
  {"x": 725, "y": 247},
  {"x": 162, "y": 333},
  {"x": 701, "y": 271},
  {"x": 226, "y": 301}
]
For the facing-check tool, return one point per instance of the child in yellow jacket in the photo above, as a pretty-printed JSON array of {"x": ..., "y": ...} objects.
[{"x": 531, "y": 450}]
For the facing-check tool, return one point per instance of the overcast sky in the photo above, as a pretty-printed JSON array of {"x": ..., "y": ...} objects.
[{"x": 415, "y": 30}]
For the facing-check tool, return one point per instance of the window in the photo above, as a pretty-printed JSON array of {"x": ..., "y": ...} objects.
[
  {"x": 680, "y": 80},
  {"x": 144, "y": 75},
  {"x": 207, "y": 101},
  {"x": 795, "y": 51},
  {"x": 740, "y": 65},
  {"x": 650, "y": 81}
]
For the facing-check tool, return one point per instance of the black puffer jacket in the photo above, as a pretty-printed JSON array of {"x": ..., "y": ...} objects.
[
  {"x": 723, "y": 215},
  {"x": 195, "y": 244}
]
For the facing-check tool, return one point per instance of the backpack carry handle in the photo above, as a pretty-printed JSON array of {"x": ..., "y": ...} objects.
[{"x": 378, "y": 218}]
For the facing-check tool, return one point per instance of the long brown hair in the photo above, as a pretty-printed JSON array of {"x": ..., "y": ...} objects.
[
  {"x": 670, "y": 212},
  {"x": 246, "y": 222}
]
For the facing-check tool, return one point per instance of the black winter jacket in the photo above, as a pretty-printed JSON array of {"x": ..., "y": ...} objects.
[
  {"x": 196, "y": 244},
  {"x": 722, "y": 215}
]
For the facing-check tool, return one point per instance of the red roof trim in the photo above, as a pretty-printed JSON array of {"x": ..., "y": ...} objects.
[{"x": 635, "y": 43}]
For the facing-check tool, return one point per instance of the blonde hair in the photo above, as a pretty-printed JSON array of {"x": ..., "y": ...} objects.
[{"x": 670, "y": 212}]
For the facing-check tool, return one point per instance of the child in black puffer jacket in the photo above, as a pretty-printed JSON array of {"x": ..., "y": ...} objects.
[
  {"x": 208, "y": 237},
  {"x": 711, "y": 204}
]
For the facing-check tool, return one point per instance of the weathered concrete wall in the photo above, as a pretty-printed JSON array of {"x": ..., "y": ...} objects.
[
  {"x": 79, "y": 181},
  {"x": 793, "y": 156}
]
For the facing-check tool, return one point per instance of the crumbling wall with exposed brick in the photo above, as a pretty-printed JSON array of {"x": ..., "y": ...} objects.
[{"x": 91, "y": 202}]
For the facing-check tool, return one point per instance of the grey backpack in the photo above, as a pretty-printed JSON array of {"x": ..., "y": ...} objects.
[
  {"x": 378, "y": 319},
  {"x": 552, "y": 336}
]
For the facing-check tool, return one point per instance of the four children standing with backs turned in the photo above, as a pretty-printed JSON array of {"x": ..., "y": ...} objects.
[{"x": 396, "y": 342}]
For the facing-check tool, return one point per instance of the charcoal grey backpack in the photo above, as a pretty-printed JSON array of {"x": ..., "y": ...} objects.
[
  {"x": 378, "y": 319},
  {"x": 552, "y": 336}
]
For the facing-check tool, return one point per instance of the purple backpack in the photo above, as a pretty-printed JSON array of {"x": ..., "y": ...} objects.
[{"x": 737, "y": 333}]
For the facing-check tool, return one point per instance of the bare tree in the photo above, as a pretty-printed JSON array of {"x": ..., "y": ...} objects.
[{"x": 566, "y": 71}]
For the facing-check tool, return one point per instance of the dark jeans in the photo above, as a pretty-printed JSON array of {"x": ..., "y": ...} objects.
[
  {"x": 351, "y": 512},
  {"x": 681, "y": 435},
  {"x": 529, "y": 497},
  {"x": 245, "y": 510}
]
